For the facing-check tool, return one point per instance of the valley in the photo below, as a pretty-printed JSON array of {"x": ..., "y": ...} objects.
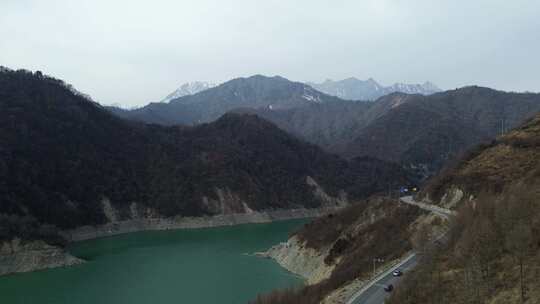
[
  {"x": 269, "y": 152},
  {"x": 105, "y": 175},
  {"x": 262, "y": 152}
]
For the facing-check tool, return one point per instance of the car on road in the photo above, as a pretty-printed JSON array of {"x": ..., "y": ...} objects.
[
  {"x": 389, "y": 288},
  {"x": 397, "y": 273}
]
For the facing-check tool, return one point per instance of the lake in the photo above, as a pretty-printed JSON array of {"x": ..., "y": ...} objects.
[{"x": 199, "y": 266}]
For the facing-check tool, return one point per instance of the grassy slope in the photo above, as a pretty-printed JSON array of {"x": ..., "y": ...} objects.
[{"x": 489, "y": 168}]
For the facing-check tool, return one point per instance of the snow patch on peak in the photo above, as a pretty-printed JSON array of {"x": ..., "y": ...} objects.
[
  {"x": 311, "y": 95},
  {"x": 189, "y": 88},
  {"x": 424, "y": 89}
]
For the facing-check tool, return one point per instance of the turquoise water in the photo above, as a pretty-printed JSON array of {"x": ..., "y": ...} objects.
[{"x": 200, "y": 266}]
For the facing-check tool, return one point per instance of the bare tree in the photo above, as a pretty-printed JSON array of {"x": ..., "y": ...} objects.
[
  {"x": 421, "y": 240},
  {"x": 518, "y": 242}
]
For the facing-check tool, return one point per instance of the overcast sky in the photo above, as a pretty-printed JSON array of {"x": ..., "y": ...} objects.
[{"x": 133, "y": 52}]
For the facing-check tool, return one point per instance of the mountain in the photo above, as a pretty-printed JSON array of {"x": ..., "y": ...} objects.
[
  {"x": 189, "y": 88},
  {"x": 492, "y": 241},
  {"x": 350, "y": 88},
  {"x": 510, "y": 159},
  {"x": 356, "y": 89},
  {"x": 427, "y": 88},
  {"x": 487, "y": 253},
  {"x": 65, "y": 162},
  {"x": 326, "y": 124},
  {"x": 420, "y": 132},
  {"x": 252, "y": 92},
  {"x": 494, "y": 238},
  {"x": 424, "y": 132}
]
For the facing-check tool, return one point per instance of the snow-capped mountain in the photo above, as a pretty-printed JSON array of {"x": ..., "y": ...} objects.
[
  {"x": 189, "y": 88},
  {"x": 356, "y": 89},
  {"x": 255, "y": 92},
  {"x": 426, "y": 88}
]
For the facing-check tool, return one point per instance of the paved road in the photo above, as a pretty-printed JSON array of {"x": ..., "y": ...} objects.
[
  {"x": 442, "y": 212},
  {"x": 375, "y": 294}
]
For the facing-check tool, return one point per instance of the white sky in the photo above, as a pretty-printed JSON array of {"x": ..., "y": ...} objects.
[{"x": 133, "y": 52}]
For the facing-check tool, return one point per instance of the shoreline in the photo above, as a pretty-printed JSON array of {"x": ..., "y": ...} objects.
[
  {"x": 85, "y": 233},
  {"x": 18, "y": 256},
  {"x": 296, "y": 258},
  {"x": 38, "y": 255}
]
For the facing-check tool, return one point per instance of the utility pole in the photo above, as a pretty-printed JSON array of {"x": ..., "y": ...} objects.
[
  {"x": 449, "y": 147},
  {"x": 503, "y": 126},
  {"x": 376, "y": 260}
]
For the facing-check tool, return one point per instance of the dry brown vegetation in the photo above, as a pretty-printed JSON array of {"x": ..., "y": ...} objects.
[
  {"x": 490, "y": 167},
  {"x": 377, "y": 228},
  {"x": 493, "y": 253}
]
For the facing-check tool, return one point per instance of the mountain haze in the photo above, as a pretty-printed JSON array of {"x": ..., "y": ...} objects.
[{"x": 356, "y": 89}]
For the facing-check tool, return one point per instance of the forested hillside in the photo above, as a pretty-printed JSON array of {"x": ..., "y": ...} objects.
[
  {"x": 420, "y": 132},
  {"x": 62, "y": 155},
  {"x": 427, "y": 131}
]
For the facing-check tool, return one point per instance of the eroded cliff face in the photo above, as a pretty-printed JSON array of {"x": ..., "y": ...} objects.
[
  {"x": 24, "y": 256},
  {"x": 306, "y": 262},
  {"x": 227, "y": 202},
  {"x": 327, "y": 200},
  {"x": 314, "y": 264},
  {"x": 452, "y": 197},
  {"x": 334, "y": 252},
  {"x": 228, "y": 209}
]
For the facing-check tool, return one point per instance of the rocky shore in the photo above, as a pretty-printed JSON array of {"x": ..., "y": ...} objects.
[
  {"x": 301, "y": 260},
  {"x": 20, "y": 256}
]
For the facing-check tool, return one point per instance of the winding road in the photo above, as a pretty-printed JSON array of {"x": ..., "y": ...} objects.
[
  {"x": 373, "y": 292},
  {"x": 442, "y": 212}
]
